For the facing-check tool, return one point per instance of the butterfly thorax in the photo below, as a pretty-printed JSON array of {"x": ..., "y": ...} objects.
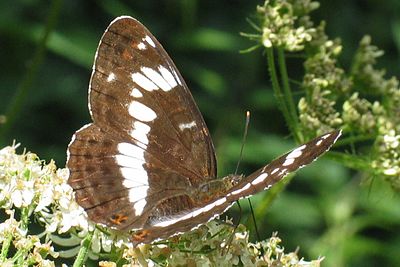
[{"x": 215, "y": 188}]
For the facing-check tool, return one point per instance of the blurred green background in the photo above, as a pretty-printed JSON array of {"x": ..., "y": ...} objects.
[{"x": 324, "y": 210}]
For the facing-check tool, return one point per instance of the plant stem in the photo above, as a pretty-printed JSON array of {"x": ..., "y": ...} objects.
[
  {"x": 20, "y": 256},
  {"x": 5, "y": 246},
  {"x": 285, "y": 103},
  {"x": 288, "y": 97},
  {"x": 355, "y": 162},
  {"x": 82, "y": 255},
  {"x": 24, "y": 218},
  {"x": 140, "y": 257},
  {"x": 354, "y": 139},
  {"x": 278, "y": 91}
]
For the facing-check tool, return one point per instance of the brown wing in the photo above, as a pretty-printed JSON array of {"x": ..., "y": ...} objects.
[{"x": 148, "y": 143}]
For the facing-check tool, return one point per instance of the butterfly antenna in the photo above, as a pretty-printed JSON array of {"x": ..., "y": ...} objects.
[
  {"x": 246, "y": 127},
  {"x": 236, "y": 171}
]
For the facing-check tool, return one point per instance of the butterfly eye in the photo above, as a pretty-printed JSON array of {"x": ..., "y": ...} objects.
[{"x": 205, "y": 188}]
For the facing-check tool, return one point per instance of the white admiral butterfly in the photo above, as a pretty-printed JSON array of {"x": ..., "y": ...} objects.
[{"x": 147, "y": 161}]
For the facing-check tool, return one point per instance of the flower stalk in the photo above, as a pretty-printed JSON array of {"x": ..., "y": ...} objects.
[
  {"x": 279, "y": 95},
  {"x": 84, "y": 250}
]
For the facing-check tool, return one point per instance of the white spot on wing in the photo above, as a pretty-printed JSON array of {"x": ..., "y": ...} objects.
[
  {"x": 138, "y": 175},
  {"x": 188, "y": 125},
  {"x": 319, "y": 142},
  {"x": 131, "y": 150},
  {"x": 206, "y": 208},
  {"x": 288, "y": 161},
  {"x": 137, "y": 195},
  {"x": 149, "y": 41},
  {"x": 111, "y": 77},
  {"x": 131, "y": 166},
  {"x": 275, "y": 170},
  {"x": 156, "y": 78},
  {"x": 136, "y": 93},
  {"x": 325, "y": 136},
  {"x": 167, "y": 75},
  {"x": 140, "y": 131},
  {"x": 128, "y": 183},
  {"x": 176, "y": 76},
  {"x": 141, "y": 46},
  {"x": 194, "y": 227},
  {"x": 282, "y": 171},
  {"x": 140, "y": 193},
  {"x": 143, "y": 82},
  {"x": 220, "y": 201},
  {"x": 139, "y": 205},
  {"x": 260, "y": 179},
  {"x": 131, "y": 159},
  {"x": 296, "y": 153},
  {"x": 240, "y": 190},
  {"x": 141, "y": 112},
  {"x": 192, "y": 214}
]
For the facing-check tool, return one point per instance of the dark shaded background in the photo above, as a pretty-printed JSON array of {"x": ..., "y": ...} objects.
[{"x": 324, "y": 210}]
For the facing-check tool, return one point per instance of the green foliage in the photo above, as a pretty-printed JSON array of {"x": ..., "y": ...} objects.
[{"x": 361, "y": 101}]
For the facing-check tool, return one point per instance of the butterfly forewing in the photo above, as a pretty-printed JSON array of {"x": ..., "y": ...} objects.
[
  {"x": 272, "y": 173},
  {"x": 148, "y": 142},
  {"x": 134, "y": 80}
]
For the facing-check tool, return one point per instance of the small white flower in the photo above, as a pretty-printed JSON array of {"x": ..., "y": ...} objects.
[
  {"x": 45, "y": 199},
  {"x": 391, "y": 171},
  {"x": 16, "y": 198},
  {"x": 52, "y": 227},
  {"x": 106, "y": 242},
  {"x": 96, "y": 242},
  {"x": 391, "y": 139},
  {"x": 73, "y": 218}
]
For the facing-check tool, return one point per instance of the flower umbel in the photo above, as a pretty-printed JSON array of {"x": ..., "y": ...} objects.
[
  {"x": 387, "y": 161},
  {"x": 361, "y": 100},
  {"x": 286, "y": 23}
]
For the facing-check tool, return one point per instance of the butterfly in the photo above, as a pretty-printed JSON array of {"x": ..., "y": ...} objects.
[{"x": 146, "y": 163}]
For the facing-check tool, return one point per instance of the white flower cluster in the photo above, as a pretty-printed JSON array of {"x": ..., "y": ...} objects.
[
  {"x": 28, "y": 183},
  {"x": 38, "y": 192},
  {"x": 361, "y": 114},
  {"x": 388, "y": 162},
  {"x": 286, "y": 23},
  {"x": 215, "y": 244},
  {"x": 26, "y": 187}
]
